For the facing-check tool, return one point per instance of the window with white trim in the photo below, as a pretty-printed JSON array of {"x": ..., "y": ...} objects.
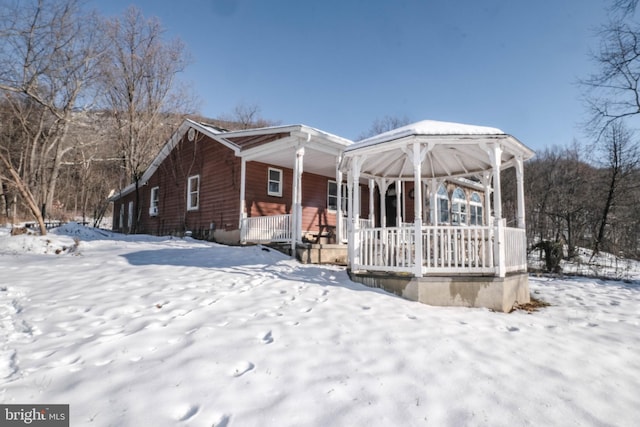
[
  {"x": 274, "y": 185},
  {"x": 155, "y": 200},
  {"x": 459, "y": 207},
  {"x": 121, "y": 218},
  {"x": 475, "y": 209},
  {"x": 193, "y": 192},
  {"x": 332, "y": 196},
  {"x": 443, "y": 205}
]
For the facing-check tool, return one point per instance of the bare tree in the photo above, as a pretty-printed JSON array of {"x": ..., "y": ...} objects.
[
  {"x": 619, "y": 161},
  {"x": 246, "y": 116},
  {"x": 140, "y": 88},
  {"x": 48, "y": 56},
  {"x": 384, "y": 124}
]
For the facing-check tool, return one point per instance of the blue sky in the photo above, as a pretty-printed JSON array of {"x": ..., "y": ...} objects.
[{"x": 337, "y": 65}]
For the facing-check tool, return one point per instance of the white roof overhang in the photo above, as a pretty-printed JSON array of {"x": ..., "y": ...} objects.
[
  {"x": 321, "y": 149},
  {"x": 464, "y": 153}
]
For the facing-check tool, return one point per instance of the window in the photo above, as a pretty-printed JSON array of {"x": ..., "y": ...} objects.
[
  {"x": 459, "y": 207},
  {"x": 153, "y": 203},
  {"x": 332, "y": 196},
  {"x": 443, "y": 205},
  {"x": 193, "y": 192},
  {"x": 475, "y": 208},
  {"x": 274, "y": 186}
]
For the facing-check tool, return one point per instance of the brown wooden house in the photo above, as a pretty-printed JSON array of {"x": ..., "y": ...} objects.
[{"x": 268, "y": 185}]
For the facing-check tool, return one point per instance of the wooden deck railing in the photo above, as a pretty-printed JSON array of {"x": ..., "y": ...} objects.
[{"x": 262, "y": 229}]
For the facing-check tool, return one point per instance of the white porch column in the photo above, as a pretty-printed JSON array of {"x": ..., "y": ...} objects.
[
  {"x": 417, "y": 203},
  {"x": 486, "y": 182},
  {"x": 339, "y": 230},
  {"x": 520, "y": 191},
  {"x": 495, "y": 154},
  {"x": 382, "y": 189},
  {"x": 296, "y": 220},
  {"x": 496, "y": 160},
  {"x": 372, "y": 214},
  {"x": 433, "y": 200},
  {"x": 398, "y": 203},
  {"x": 243, "y": 202},
  {"x": 354, "y": 214}
]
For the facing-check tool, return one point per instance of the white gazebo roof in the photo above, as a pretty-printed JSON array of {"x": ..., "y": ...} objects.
[{"x": 450, "y": 150}]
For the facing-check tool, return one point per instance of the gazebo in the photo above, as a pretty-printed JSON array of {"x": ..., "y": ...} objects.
[{"x": 462, "y": 252}]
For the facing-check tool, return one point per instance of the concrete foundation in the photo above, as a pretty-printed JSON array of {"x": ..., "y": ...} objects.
[
  {"x": 495, "y": 293},
  {"x": 316, "y": 253}
]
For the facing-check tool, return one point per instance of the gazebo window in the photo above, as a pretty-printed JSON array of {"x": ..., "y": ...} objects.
[
  {"x": 443, "y": 205},
  {"x": 475, "y": 208},
  {"x": 459, "y": 207}
]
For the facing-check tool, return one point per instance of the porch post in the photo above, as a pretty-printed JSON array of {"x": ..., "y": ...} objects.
[
  {"x": 398, "y": 203},
  {"x": 339, "y": 230},
  {"x": 520, "y": 190},
  {"x": 486, "y": 182},
  {"x": 433, "y": 200},
  {"x": 372, "y": 215},
  {"x": 243, "y": 202},
  {"x": 417, "y": 203},
  {"x": 495, "y": 154},
  {"x": 355, "y": 216},
  {"x": 382, "y": 189},
  {"x": 296, "y": 220}
]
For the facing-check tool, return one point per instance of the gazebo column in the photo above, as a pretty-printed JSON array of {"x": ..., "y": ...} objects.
[
  {"x": 417, "y": 203},
  {"x": 339, "y": 230},
  {"x": 354, "y": 213},
  {"x": 383, "y": 185},
  {"x": 520, "y": 191},
  {"x": 243, "y": 202},
  {"x": 372, "y": 214},
  {"x": 296, "y": 220},
  {"x": 398, "y": 203},
  {"x": 495, "y": 154}
]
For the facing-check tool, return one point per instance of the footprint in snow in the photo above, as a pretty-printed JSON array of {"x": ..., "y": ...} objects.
[
  {"x": 242, "y": 368},
  {"x": 267, "y": 338},
  {"x": 186, "y": 412}
]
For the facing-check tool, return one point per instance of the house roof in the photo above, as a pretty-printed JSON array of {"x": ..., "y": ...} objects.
[
  {"x": 274, "y": 145},
  {"x": 450, "y": 150}
]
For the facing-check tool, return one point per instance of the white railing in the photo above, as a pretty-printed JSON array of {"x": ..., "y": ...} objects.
[
  {"x": 260, "y": 229},
  {"x": 387, "y": 249},
  {"x": 515, "y": 249},
  {"x": 445, "y": 249},
  {"x": 457, "y": 249},
  {"x": 362, "y": 222}
]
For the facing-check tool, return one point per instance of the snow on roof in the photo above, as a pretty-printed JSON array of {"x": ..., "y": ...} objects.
[{"x": 428, "y": 127}]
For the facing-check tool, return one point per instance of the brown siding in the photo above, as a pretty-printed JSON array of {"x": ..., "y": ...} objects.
[
  {"x": 315, "y": 215},
  {"x": 219, "y": 171}
]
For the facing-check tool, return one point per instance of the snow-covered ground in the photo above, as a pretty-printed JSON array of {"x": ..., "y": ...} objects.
[{"x": 148, "y": 331}]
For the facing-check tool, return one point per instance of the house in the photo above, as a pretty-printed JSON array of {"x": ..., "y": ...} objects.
[
  {"x": 272, "y": 185},
  {"x": 416, "y": 210}
]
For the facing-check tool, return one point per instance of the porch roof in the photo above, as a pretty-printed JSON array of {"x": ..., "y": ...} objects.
[
  {"x": 449, "y": 149},
  {"x": 276, "y": 145}
]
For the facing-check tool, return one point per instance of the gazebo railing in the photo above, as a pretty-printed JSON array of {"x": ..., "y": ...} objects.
[
  {"x": 515, "y": 249},
  {"x": 445, "y": 249}
]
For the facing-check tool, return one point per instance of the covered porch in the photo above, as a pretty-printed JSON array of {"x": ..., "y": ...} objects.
[
  {"x": 287, "y": 204},
  {"x": 456, "y": 229}
]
